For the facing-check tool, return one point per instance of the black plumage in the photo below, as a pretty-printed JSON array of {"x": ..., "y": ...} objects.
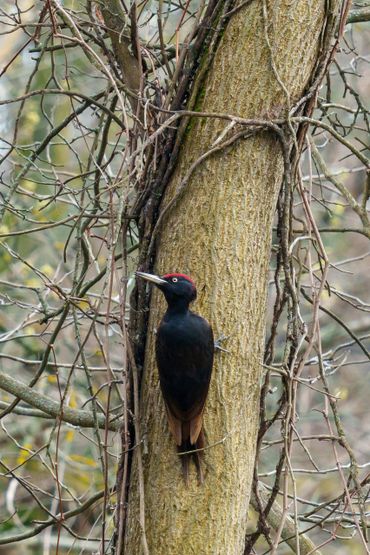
[{"x": 184, "y": 353}]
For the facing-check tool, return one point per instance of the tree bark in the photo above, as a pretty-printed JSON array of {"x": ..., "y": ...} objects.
[{"x": 220, "y": 233}]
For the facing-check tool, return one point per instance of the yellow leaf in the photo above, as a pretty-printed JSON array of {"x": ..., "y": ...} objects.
[
  {"x": 47, "y": 269},
  {"x": 69, "y": 436},
  {"x": 29, "y": 185},
  {"x": 339, "y": 209},
  {"x": 72, "y": 400},
  {"x": 24, "y": 453},
  {"x": 33, "y": 282},
  {"x": 83, "y": 304},
  {"x": 32, "y": 117},
  {"x": 37, "y": 210},
  {"x": 341, "y": 393},
  {"x": 84, "y": 460}
]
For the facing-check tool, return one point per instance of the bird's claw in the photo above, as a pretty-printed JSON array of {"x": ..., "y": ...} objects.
[{"x": 218, "y": 342}]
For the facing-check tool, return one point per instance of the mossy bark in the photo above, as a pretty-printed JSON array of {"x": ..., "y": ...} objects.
[{"x": 220, "y": 234}]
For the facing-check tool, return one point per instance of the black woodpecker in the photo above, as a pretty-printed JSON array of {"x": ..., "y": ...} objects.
[{"x": 184, "y": 353}]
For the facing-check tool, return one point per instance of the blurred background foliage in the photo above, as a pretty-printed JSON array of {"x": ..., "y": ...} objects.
[{"x": 64, "y": 176}]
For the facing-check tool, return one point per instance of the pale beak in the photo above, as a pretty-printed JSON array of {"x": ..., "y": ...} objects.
[{"x": 151, "y": 277}]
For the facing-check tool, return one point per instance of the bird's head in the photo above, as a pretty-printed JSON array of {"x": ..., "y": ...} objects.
[{"x": 177, "y": 288}]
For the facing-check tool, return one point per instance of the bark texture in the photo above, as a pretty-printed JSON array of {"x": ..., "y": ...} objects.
[{"x": 220, "y": 234}]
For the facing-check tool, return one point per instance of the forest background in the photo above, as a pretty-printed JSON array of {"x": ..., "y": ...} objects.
[{"x": 81, "y": 139}]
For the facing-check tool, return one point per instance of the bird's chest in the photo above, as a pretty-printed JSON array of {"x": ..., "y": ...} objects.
[
  {"x": 177, "y": 335},
  {"x": 184, "y": 359},
  {"x": 177, "y": 341}
]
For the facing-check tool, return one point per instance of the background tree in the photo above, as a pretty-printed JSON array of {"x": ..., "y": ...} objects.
[{"x": 161, "y": 136}]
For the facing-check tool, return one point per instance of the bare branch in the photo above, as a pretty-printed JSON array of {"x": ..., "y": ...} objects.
[{"x": 79, "y": 418}]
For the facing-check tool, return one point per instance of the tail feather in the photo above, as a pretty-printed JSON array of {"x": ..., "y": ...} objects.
[{"x": 186, "y": 454}]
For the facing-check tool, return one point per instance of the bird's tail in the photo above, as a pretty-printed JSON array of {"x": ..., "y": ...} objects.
[{"x": 188, "y": 452}]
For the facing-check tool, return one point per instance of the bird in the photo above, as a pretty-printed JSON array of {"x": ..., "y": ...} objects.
[{"x": 184, "y": 352}]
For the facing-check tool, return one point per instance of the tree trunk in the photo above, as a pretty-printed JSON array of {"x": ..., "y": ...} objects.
[{"x": 220, "y": 233}]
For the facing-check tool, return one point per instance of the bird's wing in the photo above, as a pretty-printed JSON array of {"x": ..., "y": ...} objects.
[
  {"x": 185, "y": 373},
  {"x": 175, "y": 425}
]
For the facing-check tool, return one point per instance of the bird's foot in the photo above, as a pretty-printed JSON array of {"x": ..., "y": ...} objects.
[{"x": 218, "y": 342}]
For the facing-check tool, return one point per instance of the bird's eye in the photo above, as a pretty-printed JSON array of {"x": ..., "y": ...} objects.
[{"x": 174, "y": 280}]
